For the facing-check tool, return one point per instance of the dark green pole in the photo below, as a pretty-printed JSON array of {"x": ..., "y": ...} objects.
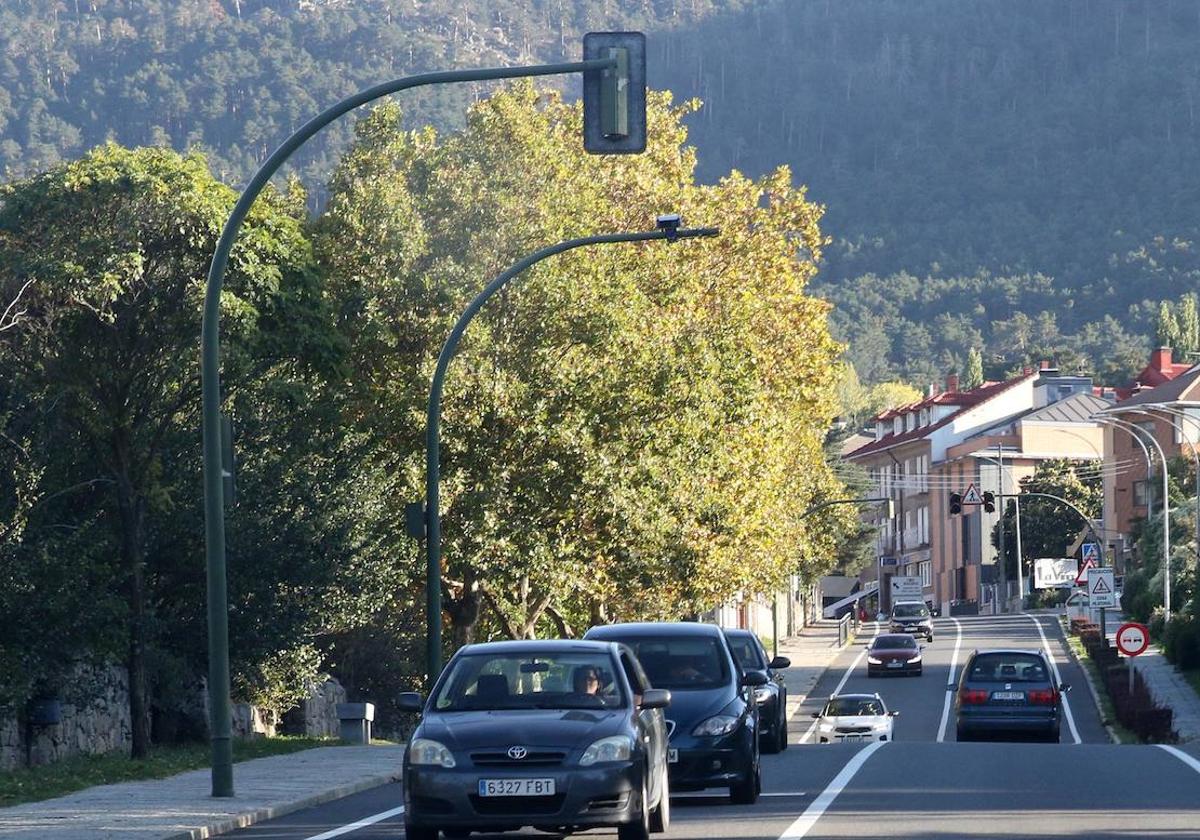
[
  {"x": 433, "y": 581},
  {"x": 210, "y": 367}
]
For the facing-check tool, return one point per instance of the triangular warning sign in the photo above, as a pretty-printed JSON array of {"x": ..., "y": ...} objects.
[
  {"x": 972, "y": 497},
  {"x": 1101, "y": 587},
  {"x": 1081, "y": 578}
]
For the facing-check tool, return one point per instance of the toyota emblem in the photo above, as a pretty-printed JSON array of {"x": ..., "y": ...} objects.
[{"x": 517, "y": 753}]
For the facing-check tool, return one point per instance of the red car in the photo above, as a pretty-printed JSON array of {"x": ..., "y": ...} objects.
[{"x": 894, "y": 653}]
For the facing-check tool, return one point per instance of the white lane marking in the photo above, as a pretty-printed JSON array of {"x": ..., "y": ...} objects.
[
  {"x": 355, "y": 826},
  {"x": 813, "y": 812},
  {"x": 1182, "y": 756},
  {"x": 953, "y": 667},
  {"x": 723, "y": 797},
  {"x": 840, "y": 685},
  {"x": 1057, "y": 679}
]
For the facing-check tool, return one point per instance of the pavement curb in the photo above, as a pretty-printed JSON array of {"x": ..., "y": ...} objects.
[
  {"x": 270, "y": 812},
  {"x": 1087, "y": 678}
]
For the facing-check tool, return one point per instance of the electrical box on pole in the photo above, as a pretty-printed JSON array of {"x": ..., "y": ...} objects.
[{"x": 614, "y": 99}]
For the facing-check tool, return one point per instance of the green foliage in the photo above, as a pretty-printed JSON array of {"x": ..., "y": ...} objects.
[
  {"x": 973, "y": 373},
  {"x": 1181, "y": 642},
  {"x": 1048, "y": 527}
]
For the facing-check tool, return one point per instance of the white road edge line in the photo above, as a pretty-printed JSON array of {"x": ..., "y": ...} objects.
[
  {"x": 953, "y": 668},
  {"x": 355, "y": 826},
  {"x": 1057, "y": 678},
  {"x": 813, "y": 812},
  {"x": 1182, "y": 756},
  {"x": 804, "y": 738}
]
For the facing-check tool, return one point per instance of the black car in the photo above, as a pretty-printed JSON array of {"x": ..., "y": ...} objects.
[
  {"x": 713, "y": 721},
  {"x": 912, "y": 617},
  {"x": 1008, "y": 692},
  {"x": 772, "y": 697},
  {"x": 560, "y": 735}
]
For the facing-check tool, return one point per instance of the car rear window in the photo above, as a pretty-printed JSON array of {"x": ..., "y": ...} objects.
[
  {"x": 682, "y": 662},
  {"x": 1007, "y": 667}
]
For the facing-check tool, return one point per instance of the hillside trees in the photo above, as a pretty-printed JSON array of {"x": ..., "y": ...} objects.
[{"x": 624, "y": 426}]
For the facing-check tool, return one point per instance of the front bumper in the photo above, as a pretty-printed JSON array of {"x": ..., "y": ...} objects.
[
  {"x": 711, "y": 762},
  {"x": 887, "y": 668},
  {"x": 604, "y": 795},
  {"x": 925, "y": 631},
  {"x": 851, "y": 737}
]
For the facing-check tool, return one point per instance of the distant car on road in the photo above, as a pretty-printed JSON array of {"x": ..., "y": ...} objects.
[
  {"x": 894, "y": 653},
  {"x": 1008, "y": 692},
  {"x": 854, "y": 717},
  {"x": 713, "y": 721},
  {"x": 772, "y": 697},
  {"x": 912, "y": 617},
  {"x": 560, "y": 735}
]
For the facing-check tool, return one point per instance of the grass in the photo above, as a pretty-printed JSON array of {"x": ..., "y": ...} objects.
[
  {"x": 1107, "y": 713},
  {"x": 33, "y": 784}
]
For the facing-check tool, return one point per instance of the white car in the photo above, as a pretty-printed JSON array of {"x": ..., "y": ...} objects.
[{"x": 854, "y": 717}]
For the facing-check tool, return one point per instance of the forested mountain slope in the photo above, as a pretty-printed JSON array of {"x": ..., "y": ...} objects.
[{"x": 979, "y": 161}]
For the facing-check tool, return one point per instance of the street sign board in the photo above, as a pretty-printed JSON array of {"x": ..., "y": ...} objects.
[
  {"x": 1081, "y": 578},
  {"x": 1091, "y": 551},
  {"x": 971, "y": 497},
  {"x": 888, "y": 561},
  {"x": 907, "y": 588},
  {"x": 1054, "y": 572},
  {"x": 1100, "y": 588},
  {"x": 1132, "y": 639}
]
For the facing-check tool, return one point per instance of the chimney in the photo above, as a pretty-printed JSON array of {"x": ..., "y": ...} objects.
[
  {"x": 951, "y": 383},
  {"x": 1160, "y": 359}
]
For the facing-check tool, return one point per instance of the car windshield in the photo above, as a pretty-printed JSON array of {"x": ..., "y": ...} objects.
[
  {"x": 1007, "y": 667},
  {"x": 531, "y": 680},
  {"x": 895, "y": 643},
  {"x": 910, "y": 611},
  {"x": 847, "y": 706},
  {"x": 746, "y": 652},
  {"x": 682, "y": 662}
]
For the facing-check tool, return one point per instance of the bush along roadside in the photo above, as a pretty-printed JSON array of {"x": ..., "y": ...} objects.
[{"x": 1135, "y": 709}]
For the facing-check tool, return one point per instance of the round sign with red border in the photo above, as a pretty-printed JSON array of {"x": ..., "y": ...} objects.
[{"x": 1132, "y": 638}]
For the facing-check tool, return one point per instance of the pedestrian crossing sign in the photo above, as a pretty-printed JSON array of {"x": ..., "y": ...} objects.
[
  {"x": 1091, "y": 551},
  {"x": 971, "y": 497}
]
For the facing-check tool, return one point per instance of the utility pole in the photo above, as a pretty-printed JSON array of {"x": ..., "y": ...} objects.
[{"x": 1002, "y": 603}]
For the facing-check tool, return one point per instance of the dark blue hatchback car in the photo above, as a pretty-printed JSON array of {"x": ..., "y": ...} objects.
[
  {"x": 713, "y": 720},
  {"x": 1008, "y": 692}
]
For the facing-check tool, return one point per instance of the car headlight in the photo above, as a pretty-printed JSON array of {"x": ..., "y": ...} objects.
[
  {"x": 825, "y": 727},
  {"x": 916, "y": 658},
  {"x": 762, "y": 694},
  {"x": 612, "y": 748},
  {"x": 716, "y": 725},
  {"x": 424, "y": 751},
  {"x": 874, "y": 660}
]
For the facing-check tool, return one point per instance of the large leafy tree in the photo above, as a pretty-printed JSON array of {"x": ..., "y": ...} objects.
[
  {"x": 100, "y": 392},
  {"x": 629, "y": 431}
]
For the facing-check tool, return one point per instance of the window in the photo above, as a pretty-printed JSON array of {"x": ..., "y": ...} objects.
[
  {"x": 1141, "y": 493},
  {"x": 926, "y": 572}
]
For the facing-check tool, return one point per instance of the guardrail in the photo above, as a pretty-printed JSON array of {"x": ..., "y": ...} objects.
[{"x": 844, "y": 627}]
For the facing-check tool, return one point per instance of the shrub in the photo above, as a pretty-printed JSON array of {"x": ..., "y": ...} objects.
[{"x": 1181, "y": 642}]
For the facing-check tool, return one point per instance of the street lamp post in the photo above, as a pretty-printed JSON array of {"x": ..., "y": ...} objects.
[
  {"x": 606, "y": 120},
  {"x": 1166, "y": 503},
  {"x": 668, "y": 231}
]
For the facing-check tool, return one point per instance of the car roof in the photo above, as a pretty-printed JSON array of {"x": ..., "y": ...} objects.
[
  {"x": 738, "y": 631},
  {"x": 653, "y": 628},
  {"x": 1034, "y": 651},
  {"x": 539, "y": 646},
  {"x": 909, "y": 604}
]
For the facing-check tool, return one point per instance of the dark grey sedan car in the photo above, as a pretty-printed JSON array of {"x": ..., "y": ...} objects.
[
  {"x": 772, "y": 697},
  {"x": 1008, "y": 692},
  {"x": 559, "y": 735}
]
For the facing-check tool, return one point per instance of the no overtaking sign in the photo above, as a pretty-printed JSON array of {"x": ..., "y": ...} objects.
[{"x": 1132, "y": 639}]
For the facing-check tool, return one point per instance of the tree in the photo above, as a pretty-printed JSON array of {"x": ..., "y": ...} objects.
[
  {"x": 109, "y": 256},
  {"x": 1166, "y": 327},
  {"x": 1189, "y": 326},
  {"x": 973, "y": 375}
]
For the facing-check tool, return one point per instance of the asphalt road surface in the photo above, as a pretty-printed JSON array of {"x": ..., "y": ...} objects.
[{"x": 922, "y": 786}]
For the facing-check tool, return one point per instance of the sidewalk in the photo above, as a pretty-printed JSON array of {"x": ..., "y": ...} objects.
[
  {"x": 180, "y": 807},
  {"x": 811, "y": 653}
]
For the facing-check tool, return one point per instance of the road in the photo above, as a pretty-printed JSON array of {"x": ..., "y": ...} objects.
[{"x": 921, "y": 787}]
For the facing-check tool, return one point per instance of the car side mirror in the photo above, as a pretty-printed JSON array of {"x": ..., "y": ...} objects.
[
  {"x": 815, "y": 714},
  {"x": 754, "y": 678},
  {"x": 410, "y": 701},
  {"x": 655, "y": 698},
  {"x": 1065, "y": 687},
  {"x": 779, "y": 663},
  {"x": 893, "y": 714}
]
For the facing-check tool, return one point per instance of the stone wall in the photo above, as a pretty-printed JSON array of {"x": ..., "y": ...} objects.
[
  {"x": 320, "y": 709},
  {"x": 95, "y": 719}
]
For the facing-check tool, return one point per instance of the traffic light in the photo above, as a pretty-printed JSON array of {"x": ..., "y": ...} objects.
[
  {"x": 955, "y": 503},
  {"x": 614, "y": 99},
  {"x": 989, "y": 501}
]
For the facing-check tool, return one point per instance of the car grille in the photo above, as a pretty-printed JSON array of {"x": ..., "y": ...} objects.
[
  {"x": 852, "y": 730},
  {"x": 543, "y": 758},
  {"x": 505, "y": 805}
]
